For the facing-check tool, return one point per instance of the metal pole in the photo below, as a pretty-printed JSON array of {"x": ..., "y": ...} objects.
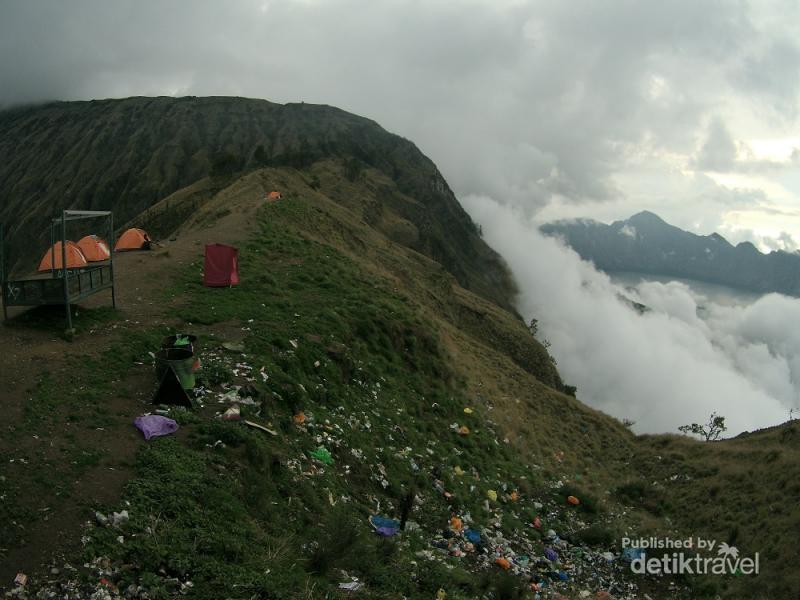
[
  {"x": 64, "y": 268},
  {"x": 111, "y": 260},
  {"x": 3, "y": 271},
  {"x": 53, "y": 250}
]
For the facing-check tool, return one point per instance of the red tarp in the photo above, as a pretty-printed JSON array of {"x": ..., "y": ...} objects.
[{"x": 221, "y": 266}]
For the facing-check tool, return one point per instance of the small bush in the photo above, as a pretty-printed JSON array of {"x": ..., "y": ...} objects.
[
  {"x": 337, "y": 539},
  {"x": 595, "y": 536},
  {"x": 644, "y": 495}
]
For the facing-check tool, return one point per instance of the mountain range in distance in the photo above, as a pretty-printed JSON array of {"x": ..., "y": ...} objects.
[{"x": 647, "y": 244}]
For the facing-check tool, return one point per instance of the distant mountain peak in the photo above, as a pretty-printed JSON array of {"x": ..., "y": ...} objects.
[
  {"x": 646, "y": 215},
  {"x": 646, "y": 243},
  {"x": 748, "y": 246}
]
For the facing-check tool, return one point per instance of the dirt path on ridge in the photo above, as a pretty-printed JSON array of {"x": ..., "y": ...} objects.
[{"x": 32, "y": 354}]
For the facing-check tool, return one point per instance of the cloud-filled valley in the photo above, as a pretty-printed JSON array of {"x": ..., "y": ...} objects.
[{"x": 686, "y": 357}]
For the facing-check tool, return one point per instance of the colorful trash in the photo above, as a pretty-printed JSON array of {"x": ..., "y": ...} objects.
[
  {"x": 155, "y": 425},
  {"x": 384, "y": 526},
  {"x": 322, "y": 455},
  {"x": 473, "y": 536},
  {"x": 233, "y": 413}
]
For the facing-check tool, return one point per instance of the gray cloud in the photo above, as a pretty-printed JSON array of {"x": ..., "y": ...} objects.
[
  {"x": 718, "y": 153},
  {"x": 673, "y": 365},
  {"x": 522, "y": 101},
  {"x": 722, "y": 154}
]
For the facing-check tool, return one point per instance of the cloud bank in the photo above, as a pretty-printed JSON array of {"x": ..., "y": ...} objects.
[
  {"x": 684, "y": 359},
  {"x": 597, "y": 109}
]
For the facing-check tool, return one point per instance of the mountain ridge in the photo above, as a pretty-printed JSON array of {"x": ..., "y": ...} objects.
[
  {"x": 128, "y": 154},
  {"x": 646, "y": 243}
]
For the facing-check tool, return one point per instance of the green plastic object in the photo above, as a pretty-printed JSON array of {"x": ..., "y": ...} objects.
[
  {"x": 322, "y": 455},
  {"x": 182, "y": 362}
]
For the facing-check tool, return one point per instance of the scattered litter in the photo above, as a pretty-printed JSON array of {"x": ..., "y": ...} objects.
[
  {"x": 261, "y": 427},
  {"x": 492, "y": 495},
  {"x": 233, "y": 413},
  {"x": 468, "y": 411},
  {"x": 155, "y": 425},
  {"x": 384, "y": 526},
  {"x": 503, "y": 563},
  {"x": 233, "y": 346},
  {"x": 21, "y": 579},
  {"x": 473, "y": 536},
  {"x": 631, "y": 554},
  {"x": 351, "y": 586},
  {"x": 573, "y": 500},
  {"x": 322, "y": 455},
  {"x": 120, "y": 518},
  {"x": 299, "y": 418}
]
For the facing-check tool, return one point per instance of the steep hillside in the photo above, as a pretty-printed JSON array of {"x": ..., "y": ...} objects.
[
  {"x": 647, "y": 244},
  {"x": 128, "y": 154},
  {"x": 381, "y": 350},
  {"x": 370, "y": 338}
]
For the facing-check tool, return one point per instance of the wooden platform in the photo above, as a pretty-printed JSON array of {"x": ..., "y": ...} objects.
[{"x": 43, "y": 289}]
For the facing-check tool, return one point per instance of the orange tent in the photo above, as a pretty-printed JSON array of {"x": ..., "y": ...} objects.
[
  {"x": 133, "y": 239},
  {"x": 75, "y": 258},
  {"x": 274, "y": 195},
  {"x": 94, "y": 248}
]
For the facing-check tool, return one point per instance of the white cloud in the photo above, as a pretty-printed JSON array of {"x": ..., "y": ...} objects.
[
  {"x": 662, "y": 369},
  {"x": 531, "y": 102}
]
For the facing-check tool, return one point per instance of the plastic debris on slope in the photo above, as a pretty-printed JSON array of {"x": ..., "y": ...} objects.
[
  {"x": 155, "y": 425},
  {"x": 322, "y": 455}
]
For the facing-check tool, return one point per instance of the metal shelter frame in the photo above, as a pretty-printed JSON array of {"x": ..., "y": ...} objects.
[{"x": 65, "y": 286}]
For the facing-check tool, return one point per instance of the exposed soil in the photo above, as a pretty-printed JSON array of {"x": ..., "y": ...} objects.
[{"x": 32, "y": 353}]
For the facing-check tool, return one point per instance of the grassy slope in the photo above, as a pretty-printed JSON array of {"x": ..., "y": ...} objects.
[
  {"x": 402, "y": 347},
  {"x": 128, "y": 154}
]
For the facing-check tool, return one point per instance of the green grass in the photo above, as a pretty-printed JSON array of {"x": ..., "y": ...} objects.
[{"x": 232, "y": 509}]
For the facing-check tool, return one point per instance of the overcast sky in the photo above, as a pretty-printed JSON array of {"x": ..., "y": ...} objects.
[
  {"x": 600, "y": 109},
  {"x": 533, "y": 110}
]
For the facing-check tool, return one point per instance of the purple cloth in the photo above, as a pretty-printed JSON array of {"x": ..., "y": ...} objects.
[
  {"x": 386, "y": 531},
  {"x": 550, "y": 554},
  {"x": 155, "y": 425}
]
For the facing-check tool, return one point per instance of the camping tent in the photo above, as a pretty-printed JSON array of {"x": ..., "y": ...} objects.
[
  {"x": 94, "y": 248},
  {"x": 75, "y": 258},
  {"x": 133, "y": 239},
  {"x": 274, "y": 195},
  {"x": 221, "y": 266}
]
